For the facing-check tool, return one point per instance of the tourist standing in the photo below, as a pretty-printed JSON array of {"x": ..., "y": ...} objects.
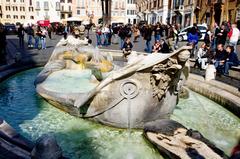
[
  {"x": 37, "y": 36},
  {"x": 222, "y": 36},
  {"x": 207, "y": 37},
  {"x": 176, "y": 31},
  {"x": 20, "y": 34},
  {"x": 215, "y": 31},
  {"x": 157, "y": 32},
  {"x": 98, "y": 36},
  {"x": 136, "y": 33},
  {"x": 43, "y": 38},
  {"x": 232, "y": 59},
  {"x": 122, "y": 35},
  {"x": 148, "y": 37},
  {"x": 105, "y": 32},
  {"x": 110, "y": 35},
  {"x": 233, "y": 36},
  {"x": 170, "y": 37},
  {"x": 49, "y": 30},
  {"x": 193, "y": 38},
  {"x": 3, "y": 43},
  {"x": 30, "y": 33},
  {"x": 115, "y": 34}
]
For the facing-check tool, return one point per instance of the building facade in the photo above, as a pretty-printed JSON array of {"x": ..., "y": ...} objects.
[
  {"x": 211, "y": 11},
  {"x": 87, "y": 10},
  {"x": 131, "y": 12},
  {"x": 17, "y": 11},
  {"x": 118, "y": 11},
  {"x": 153, "y": 11},
  {"x": 66, "y": 9},
  {"x": 47, "y": 10},
  {"x": 182, "y": 12}
]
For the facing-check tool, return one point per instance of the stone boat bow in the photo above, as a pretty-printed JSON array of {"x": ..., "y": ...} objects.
[{"x": 144, "y": 88}]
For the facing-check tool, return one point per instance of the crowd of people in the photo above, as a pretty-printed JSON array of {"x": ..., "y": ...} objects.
[
  {"x": 219, "y": 49},
  {"x": 165, "y": 36}
]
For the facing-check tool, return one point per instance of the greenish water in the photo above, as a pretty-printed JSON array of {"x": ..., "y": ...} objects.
[
  {"x": 69, "y": 81},
  {"x": 32, "y": 117}
]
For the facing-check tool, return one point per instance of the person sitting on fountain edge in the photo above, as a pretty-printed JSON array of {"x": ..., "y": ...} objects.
[{"x": 127, "y": 47}]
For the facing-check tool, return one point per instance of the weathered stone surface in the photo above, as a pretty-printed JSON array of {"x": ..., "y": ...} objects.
[
  {"x": 153, "y": 79},
  {"x": 219, "y": 92},
  {"x": 46, "y": 148},
  {"x": 176, "y": 141}
]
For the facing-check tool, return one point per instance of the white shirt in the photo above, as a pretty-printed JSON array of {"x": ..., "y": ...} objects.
[
  {"x": 105, "y": 30},
  {"x": 235, "y": 35}
]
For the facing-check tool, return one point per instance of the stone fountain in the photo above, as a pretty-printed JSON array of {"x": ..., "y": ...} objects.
[{"x": 150, "y": 83}]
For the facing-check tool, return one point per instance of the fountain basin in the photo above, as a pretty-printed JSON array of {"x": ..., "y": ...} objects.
[
  {"x": 148, "y": 84},
  {"x": 33, "y": 116}
]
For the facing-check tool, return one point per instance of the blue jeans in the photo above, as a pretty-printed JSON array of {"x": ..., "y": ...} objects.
[
  {"x": 43, "y": 41},
  {"x": 99, "y": 40},
  {"x": 148, "y": 46},
  {"x": 121, "y": 43},
  {"x": 227, "y": 66},
  {"x": 234, "y": 44},
  {"x": 36, "y": 42},
  {"x": 30, "y": 40},
  {"x": 105, "y": 39},
  {"x": 157, "y": 37}
]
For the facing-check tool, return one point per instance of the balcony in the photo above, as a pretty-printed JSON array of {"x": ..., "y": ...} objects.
[
  {"x": 37, "y": 8},
  {"x": 65, "y": 11}
]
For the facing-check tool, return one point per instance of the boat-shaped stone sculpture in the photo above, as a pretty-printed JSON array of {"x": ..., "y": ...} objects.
[{"x": 104, "y": 86}]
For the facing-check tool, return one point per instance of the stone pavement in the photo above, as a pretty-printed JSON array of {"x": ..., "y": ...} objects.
[
  {"x": 43, "y": 55},
  {"x": 16, "y": 54}
]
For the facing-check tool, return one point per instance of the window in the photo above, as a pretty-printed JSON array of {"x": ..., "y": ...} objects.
[
  {"x": 13, "y": 8},
  {"x": 8, "y": 8},
  {"x": 22, "y": 9},
  {"x": 31, "y": 17},
  {"x": 69, "y": 8},
  {"x": 37, "y": 5},
  {"x": 16, "y": 8},
  {"x": 62, "y": 16},
  {"x": 30, "y": 9},
  {"x": 7, "y": 0},
  {"x": 69, "y": 15},
  {"x": 62, "y": 8},
  {"x": 62, "y": 1},
  {"x": 155, "y": 4},
  {"x": 30, "y": 2},
  {"x": 46, "y": 5},
  {"x": 69, "y": 1},
  {"x": 14, "y": 0},
  {"x": 15, "y": 17},
  {"x": 8, "y": 16},
  {"x": 22, "y": 17},
  {"x": 57, "y": 6},
  {"x": 78, "y": 12},
  {"x": 22, "y": 1}
]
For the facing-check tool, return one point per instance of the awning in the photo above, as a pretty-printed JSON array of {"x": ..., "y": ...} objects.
[
  {"x": 43, "y": 23},
  {"x": 76, "y": 19}
]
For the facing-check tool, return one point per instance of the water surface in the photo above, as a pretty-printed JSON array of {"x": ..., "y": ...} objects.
[{"x": 32, "y": 116}]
